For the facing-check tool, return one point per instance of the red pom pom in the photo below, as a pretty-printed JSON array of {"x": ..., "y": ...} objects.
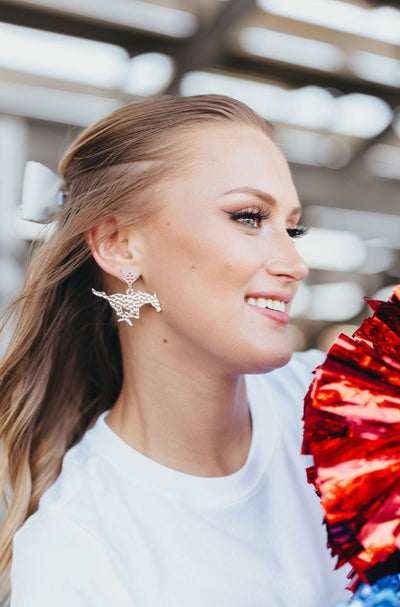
[{"x": 352, "y": 429}]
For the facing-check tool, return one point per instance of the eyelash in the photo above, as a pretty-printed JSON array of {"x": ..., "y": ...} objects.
[
  {"x": 249, "y": 214},
  {"x": 296, "y": 232}
]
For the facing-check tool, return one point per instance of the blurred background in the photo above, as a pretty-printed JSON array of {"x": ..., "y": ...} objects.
[{"x": 325, "y": 72}]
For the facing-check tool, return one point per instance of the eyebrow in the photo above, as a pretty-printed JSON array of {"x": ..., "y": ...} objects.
[{"x": 264, "y": 196}]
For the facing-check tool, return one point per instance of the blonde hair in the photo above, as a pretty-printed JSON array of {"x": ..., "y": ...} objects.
[{"x": 63, "y": 364}]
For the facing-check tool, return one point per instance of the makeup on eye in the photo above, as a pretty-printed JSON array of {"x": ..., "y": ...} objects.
[
  {"x": 251, "y": 217},
  {"x": 298, "y": 231},
  {"x": 254, "y": 217}
]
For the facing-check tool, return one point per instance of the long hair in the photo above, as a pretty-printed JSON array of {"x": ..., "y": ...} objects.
[{"x": 63, "y": 364}]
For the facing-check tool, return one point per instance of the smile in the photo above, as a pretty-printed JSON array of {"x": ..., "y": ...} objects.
[{"x": 271, "y": 304}]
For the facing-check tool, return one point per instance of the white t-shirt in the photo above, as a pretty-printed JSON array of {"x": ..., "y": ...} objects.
[{"x": 118, "y": 529}]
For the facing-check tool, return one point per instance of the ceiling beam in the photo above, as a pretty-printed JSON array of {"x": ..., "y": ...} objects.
[
  {"x": 348, "y": 188},
  {"x": 208, "y": 44},
  {"x": 206, "y": 48},
  {"x": 394, "y": 3}
]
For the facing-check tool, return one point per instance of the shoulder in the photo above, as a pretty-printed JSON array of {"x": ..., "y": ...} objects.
[
  {"x": 82, "y": 486},
  {"x": 81, "y": 493},
  {"x": 59, "y": 555},
  {"x": 56, "y": 562},
  {"x": 50, "y": 537},
  {"x": 74, "y": 491}
]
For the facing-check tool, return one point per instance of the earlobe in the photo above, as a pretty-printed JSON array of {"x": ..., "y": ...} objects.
[{"x": 112, "y": 248}]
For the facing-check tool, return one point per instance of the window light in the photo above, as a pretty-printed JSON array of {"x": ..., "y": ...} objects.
[
  {"x": 54, "y": 105},
  {"x": 376, "y": 68},
  {"x": 312, "y": 148},
  {"x": 148, "y": 74},
  {"x": 367, "y": 224},
  {"x": 360, "y": 115},
  {"x": 291, "y": 49},
  {"x": 61, "y": 57},
  {"x": 336, "y": 250},
  {"x": 385, "y": 292},
  {"x": 301, "y": 302},
  {"x": 310, "y": 107},
  {"x": 382, "y": 23},
  {"x": 335, "y": 301},
  {"x": 128, "y": 13}
]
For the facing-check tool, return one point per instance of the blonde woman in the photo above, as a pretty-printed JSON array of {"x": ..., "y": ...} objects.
[{"x": 150, "y": 417}]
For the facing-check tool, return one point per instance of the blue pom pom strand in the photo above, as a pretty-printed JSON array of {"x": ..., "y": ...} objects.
[{"x": 384, "y": 593}]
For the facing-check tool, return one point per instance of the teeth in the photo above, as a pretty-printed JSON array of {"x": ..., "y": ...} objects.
[{"x": 272, "y": 304}]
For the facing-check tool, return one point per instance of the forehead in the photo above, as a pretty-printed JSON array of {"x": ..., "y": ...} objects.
[{"x": 224, "y": 157}]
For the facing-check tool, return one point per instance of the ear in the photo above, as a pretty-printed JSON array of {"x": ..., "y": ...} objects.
[{"x": 115, "y": 248}]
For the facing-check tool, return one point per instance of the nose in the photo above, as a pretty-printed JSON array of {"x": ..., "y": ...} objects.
[{"x": 284, "y": 260}]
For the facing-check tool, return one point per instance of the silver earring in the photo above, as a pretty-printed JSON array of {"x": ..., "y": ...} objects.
[{"x": 127, "y": 305}]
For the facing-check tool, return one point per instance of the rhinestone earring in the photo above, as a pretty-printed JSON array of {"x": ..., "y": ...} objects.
[{"x": 127, "y": 305}]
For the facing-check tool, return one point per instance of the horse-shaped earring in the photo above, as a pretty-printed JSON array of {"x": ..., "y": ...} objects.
[{"x": 127, "y": 305}]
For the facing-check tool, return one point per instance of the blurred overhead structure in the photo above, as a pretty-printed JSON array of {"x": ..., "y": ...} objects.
[{"x": 325, "y": 72}]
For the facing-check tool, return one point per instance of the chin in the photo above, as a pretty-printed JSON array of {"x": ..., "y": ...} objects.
[
  {"x": 284, "y": 358},
  {"x": 268, "y": 361}
]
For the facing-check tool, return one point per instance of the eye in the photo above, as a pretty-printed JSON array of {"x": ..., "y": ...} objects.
[
  {"x": 252, "y": 218},
  {"x": 298, "y": 231}
]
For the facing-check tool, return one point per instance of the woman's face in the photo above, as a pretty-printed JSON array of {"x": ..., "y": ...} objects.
[{"x": 219, "y": 252}]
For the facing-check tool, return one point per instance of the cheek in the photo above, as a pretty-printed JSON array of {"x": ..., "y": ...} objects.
[
  {"x": 174, "y": 267},
  {"x": 181, "y": 247},
  {"x": 202, "y": 261}
]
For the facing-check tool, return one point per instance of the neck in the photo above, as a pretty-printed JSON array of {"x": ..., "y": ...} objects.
[{"x": 185, "y": 416}]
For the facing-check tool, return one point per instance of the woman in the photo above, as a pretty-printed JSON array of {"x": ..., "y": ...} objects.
[{"x": 188, "y": 489}]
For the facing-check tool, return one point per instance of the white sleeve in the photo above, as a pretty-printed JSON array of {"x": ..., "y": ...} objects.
[{"x": 56, "y": 563}]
